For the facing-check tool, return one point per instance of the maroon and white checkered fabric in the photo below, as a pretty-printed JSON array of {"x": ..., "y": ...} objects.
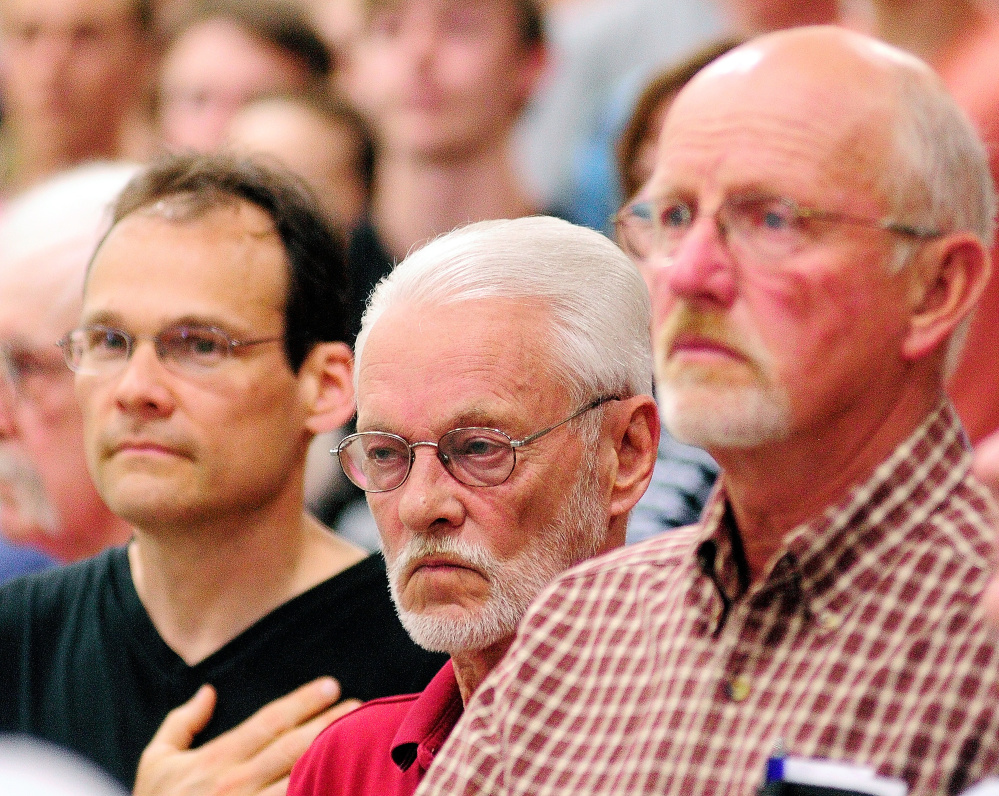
[{"x": 864, "y": 643}]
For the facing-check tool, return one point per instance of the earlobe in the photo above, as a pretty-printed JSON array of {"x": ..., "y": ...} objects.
[
  {"x": 637, "y": 442},
  {"x": 944, "y": 292},
  {"x": 327, "y": 381}
]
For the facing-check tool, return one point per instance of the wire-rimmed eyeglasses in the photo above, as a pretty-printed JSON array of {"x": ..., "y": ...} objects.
[
  {"x": 768, "y": 228},
  {"x": 30, "y": 371},
  {"x": 96, "y": 349},
  {"x": 378, "y": 461}
]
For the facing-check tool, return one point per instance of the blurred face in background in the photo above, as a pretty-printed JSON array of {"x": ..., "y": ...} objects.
[
  {"x": 70, "y": 71},
  {"x": 441, "y": 78},
  {"x": 325, "y": 151},
  {"x": 212, "y": 70},
  {"x": 46, "y": 496}
]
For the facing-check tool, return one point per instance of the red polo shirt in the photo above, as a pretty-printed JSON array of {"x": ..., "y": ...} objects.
[{"x": 372, "y": 751}]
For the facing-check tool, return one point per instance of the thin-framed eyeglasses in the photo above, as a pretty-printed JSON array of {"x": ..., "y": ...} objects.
[
  {"x": 378, "y": 461},
  {"x": 766, "y": 228},
  {"x": 29, "y": 371},
  {"x": 96, "y": 349}
]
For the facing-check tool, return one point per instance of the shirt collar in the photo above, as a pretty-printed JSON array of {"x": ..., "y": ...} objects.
[
  {"x": 430, "y": 720},
  {"x": 921, "y": 471}
]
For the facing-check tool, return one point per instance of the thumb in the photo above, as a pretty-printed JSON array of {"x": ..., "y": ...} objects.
[{"x": 181, "y": 724}]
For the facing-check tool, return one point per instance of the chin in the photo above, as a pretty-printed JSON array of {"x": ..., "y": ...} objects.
[
  {"x": 730, "y": 417},
  {"x": 455, "y": 633}
]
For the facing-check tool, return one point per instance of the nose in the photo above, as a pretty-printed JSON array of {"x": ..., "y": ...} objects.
[
  {"x": 141, "y": 386},
  {"x": 700, "y": 271},
  {"x": 428, "y": 500}
]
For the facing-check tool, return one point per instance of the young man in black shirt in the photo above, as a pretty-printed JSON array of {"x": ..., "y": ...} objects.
[{"x": 210, "y": 350}]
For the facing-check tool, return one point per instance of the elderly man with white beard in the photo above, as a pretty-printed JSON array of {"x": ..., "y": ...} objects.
[{"x": 505, "y": 430}]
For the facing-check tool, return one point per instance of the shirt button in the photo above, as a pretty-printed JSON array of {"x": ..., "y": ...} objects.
[
  {"x": 739, "y": 688},
  {"x": 830, "y": 622}
]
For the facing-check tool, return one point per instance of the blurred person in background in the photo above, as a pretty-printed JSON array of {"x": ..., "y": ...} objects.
[
  {"x": 226, "y": 53},
  {"x": 442, "y": 83},
  {"x": 318, "y": 137},
  {"x": 48, "y": 501},
  {"x": 74, "y": 76}
]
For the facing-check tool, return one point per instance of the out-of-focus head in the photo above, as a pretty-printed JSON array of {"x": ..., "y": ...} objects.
[
  {"x": 752, "y": 17},
  {"x": 72, "y": 70},
  {"x": 509, "y": 328},
  {"x": 47, "y": 236},
  {"x": 228, "y": 53},
  {"x": 211, "y": 347},
  {"x": 319, "y": 138},
  {"x": 636, "y": 148},
  {"x": 443, "y": 78},
  {"x": 30, "y": 767},
  {"x": 815, "y": 230}
]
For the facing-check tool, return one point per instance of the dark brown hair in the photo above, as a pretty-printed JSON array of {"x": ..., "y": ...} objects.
[{"x": 193, "y": 184}]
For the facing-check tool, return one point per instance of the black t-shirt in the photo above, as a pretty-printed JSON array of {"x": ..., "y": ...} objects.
[{"x": 81, "y": 664}]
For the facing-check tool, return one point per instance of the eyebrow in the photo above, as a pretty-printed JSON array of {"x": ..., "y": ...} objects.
[
  {"x": 470, "y": 418},
  {"x": 114, "y": 319}
]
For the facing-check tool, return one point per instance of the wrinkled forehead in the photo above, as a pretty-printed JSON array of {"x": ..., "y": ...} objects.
[{"x": 785, "y": 114}]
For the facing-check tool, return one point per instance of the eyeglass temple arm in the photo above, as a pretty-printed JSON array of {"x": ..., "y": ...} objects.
[{"x": 591, "y": 405}]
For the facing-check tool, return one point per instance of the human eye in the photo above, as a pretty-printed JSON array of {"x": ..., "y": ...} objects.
[
  {"x": 196, "y": 345},
  {"x": 770, "y": 216},
  {"x": 381, "y": 456},
  {"x": 675, "y": 216},
  {"x": 103, "y": 342}
]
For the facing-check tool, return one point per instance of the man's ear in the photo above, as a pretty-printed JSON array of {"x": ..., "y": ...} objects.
[
  {"x": 948, "y": 278},
  {"x": 636, "y": 442},
  {"x": 327, "y": 383}
]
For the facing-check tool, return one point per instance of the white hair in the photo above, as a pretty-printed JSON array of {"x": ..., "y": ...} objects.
[
  {"x": 70, "y": 209},
  {"x": 596, "y": 302},
  {"x": 938, "y": 173}
]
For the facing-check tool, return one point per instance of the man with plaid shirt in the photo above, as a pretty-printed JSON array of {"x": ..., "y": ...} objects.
[{"x": 817, "y": 225}]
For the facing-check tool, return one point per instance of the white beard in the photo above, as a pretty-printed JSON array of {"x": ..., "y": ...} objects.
[
  {"x": 577, "y": 533},
  {"x": 715, "y": 416}
]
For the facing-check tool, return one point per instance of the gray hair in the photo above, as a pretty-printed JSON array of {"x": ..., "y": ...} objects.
[
  {"x": 938, "y": 173},
  {"x": 71, "y": 209},
  {"x": 596, "y": 301}
]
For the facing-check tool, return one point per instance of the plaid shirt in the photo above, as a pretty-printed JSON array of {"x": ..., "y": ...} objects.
[{"x": 865, "y": 642}]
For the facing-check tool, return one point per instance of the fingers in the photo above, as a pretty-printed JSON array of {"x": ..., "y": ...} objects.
[
  {"x": 278, "y": 718},
  {"x": 183, "y": 723},
  {"x": 274, "y": 763},
  {"x": 254, "y": 757}
]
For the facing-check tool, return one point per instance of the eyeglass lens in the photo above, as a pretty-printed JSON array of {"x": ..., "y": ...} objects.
[
  {"x": 378, "y": 462},
  {"x": 97, "y": 348}
]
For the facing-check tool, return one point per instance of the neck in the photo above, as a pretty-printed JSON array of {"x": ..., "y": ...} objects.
[
  {"x": 471, "y": 668},
  {"x": 925, "y": 28},
  {"x": 203, "y": 587},
  {"x": 774, "y": 488},
  {"x": 417, "y": 199}
]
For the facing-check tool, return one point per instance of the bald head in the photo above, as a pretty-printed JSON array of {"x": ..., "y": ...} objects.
[
  {"x": 898, "y": 129},
  {"x": 852, "y": 205}
]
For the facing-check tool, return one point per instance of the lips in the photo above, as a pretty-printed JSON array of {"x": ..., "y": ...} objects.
[
  {"x": 142, "y": 446},
  {"x": 688, "y": 343},
  {"x": 437, "y": 562}
]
